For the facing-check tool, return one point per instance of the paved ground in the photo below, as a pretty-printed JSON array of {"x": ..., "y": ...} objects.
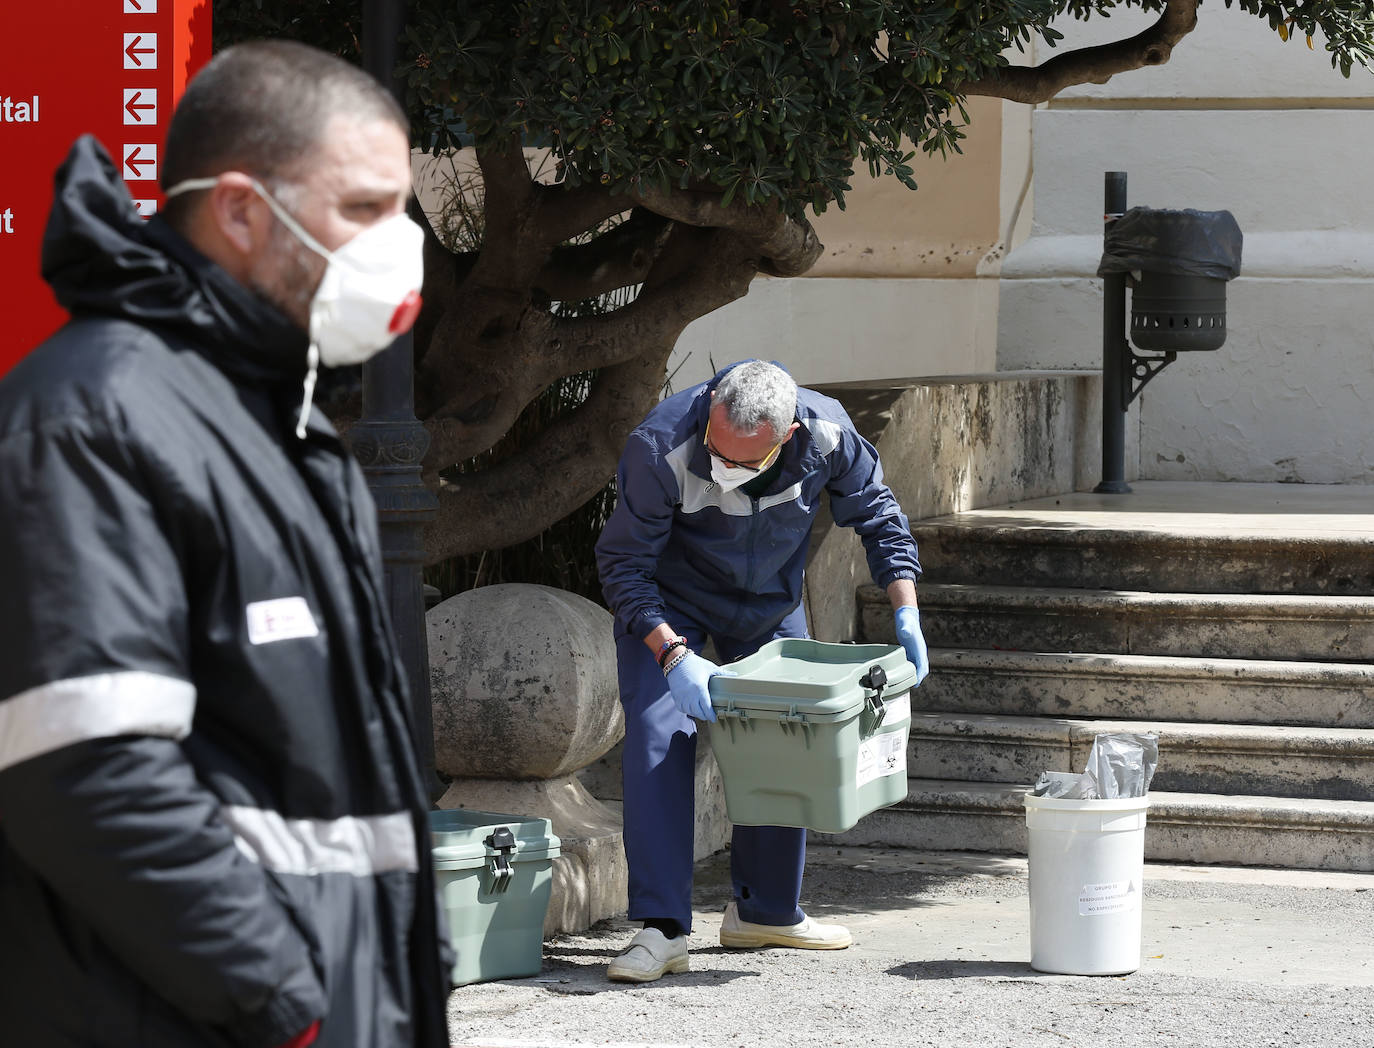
[{"x": 1231, "y": 957}]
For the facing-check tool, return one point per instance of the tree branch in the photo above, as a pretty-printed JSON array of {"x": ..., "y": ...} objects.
[
  {"x": 1090, "y": 65},
  {"x": 445, "y": 272},
  {"x": 563, "y": 212},
  {"x": 787, "y": 247},
  {"x": 507, "y": 187},
  {"x": 514, "y": 499},
  {"x": 506, "y": 376},
  {"x": 616, "y": 259}
]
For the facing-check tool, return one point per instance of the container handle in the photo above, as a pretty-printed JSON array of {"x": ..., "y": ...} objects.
[
  {"x": 502, "y": 842},
  {"x": 875, "y": 680}
]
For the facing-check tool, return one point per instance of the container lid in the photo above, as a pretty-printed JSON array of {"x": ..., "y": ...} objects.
[
  {"x": 462, "y": 838},
  {"x": 817, "y": 678}
]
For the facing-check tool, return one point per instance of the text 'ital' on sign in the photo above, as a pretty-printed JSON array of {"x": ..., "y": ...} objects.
[{"x": 19, "y": 110}]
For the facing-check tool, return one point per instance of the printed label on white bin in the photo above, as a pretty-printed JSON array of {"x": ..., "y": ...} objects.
[
  {"x": 882, "y": 755},
  {"x": 1098, "y": 900}
]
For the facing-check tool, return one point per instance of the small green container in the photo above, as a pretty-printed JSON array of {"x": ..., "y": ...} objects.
[
  {"x": 495, "y": 876},
  {"x": 812, "y": 734}
]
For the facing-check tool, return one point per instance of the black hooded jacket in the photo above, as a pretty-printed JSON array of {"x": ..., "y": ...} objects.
[{"x": 212, "y": 827}]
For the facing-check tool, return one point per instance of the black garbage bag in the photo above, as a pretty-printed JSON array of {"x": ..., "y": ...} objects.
[{"x": 1187, "y": 243}]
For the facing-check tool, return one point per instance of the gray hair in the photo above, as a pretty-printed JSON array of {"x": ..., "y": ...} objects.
[
  {"x": 260, "y": 108},
  {"x": 757, "y": 392}
]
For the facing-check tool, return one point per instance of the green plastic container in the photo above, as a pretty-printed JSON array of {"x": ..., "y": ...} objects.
[
  {"x": 805, "y": 737},
  {"x": 495, "y": 875}
]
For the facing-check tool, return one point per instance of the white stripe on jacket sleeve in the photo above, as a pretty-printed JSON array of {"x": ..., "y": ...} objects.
[
  {"x": 79, "y": 709},
  {"x": 361, "y": 845}
]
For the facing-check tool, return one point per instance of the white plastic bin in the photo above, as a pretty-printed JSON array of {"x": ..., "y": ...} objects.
[{"x": 1087, "y": 864}]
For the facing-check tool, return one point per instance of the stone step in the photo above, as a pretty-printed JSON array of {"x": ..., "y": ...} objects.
[
  {"x": 1331, "y": 763},
  {"x": 981, "y": 553},
  {"x": 1152, "y": 687},
  {"x": 1249, "y": 626},
  {"x": 942, "y": 815}
]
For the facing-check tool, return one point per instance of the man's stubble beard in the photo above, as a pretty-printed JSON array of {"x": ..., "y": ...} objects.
[{"x": 287, "y": 275}]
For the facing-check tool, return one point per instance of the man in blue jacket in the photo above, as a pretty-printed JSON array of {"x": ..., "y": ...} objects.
[{"x": 718, "y": 489}]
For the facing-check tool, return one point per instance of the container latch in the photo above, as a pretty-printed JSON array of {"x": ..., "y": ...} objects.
[
  {"x": 502, "y": 842},
  {"x": 875, "y": 680}
]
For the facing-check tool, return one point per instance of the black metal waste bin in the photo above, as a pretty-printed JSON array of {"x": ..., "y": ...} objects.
[
  {"x": 1179, "y": 262},
  {"x": 1175, "y": 313}
]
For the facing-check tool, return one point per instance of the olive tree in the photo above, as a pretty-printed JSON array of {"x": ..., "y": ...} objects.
[{"x": 685, "y": 142}]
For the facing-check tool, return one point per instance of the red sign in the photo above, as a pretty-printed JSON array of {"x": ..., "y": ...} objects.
[{"x": 113, "y": 68}]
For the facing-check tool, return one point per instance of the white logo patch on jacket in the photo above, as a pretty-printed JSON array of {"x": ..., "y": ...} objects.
[{"x": 286, "y": 618}]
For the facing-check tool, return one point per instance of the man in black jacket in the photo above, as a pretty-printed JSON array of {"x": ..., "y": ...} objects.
[{"x": 212, "y": 825}]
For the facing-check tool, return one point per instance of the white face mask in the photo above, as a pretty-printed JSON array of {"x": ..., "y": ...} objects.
[
  {"x": 369, "y": 294},
  {"x": 728, "y": 478}
]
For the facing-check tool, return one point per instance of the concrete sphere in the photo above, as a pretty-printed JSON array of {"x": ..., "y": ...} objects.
[{"x": 523, "y": 683}]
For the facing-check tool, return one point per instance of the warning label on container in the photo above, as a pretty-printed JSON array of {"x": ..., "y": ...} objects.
[
  {"x": 882, "y": 755},
  {"x": 899, "y": 709},
  {"x": 1097, "y": 900}
]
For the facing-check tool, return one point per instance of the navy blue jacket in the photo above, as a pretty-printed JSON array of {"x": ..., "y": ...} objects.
[{"x": 732, "y": 562}]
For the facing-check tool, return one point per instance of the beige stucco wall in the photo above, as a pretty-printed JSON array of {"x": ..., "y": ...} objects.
[
  {"x": 942, "y": 230},
  {"x": 906, "y": 287}
]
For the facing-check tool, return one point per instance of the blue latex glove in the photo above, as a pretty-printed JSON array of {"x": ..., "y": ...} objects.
[
  {"x": 688, "y": 681},
  {"x": 910, "y": 638}
]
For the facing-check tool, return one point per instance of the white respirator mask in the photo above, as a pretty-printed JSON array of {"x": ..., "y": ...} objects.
[
  {"x": 728, "y": 478},
  {"x": 369, "y": 294}
]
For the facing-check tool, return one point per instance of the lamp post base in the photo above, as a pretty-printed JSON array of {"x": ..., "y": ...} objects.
[{"x": 1112, "y": 487}]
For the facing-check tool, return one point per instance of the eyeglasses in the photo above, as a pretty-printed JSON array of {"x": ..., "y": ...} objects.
[{"x": 753, "y": 467}]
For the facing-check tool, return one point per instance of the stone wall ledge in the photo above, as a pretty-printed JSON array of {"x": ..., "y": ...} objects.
[{"x": 1302, "y": 254}]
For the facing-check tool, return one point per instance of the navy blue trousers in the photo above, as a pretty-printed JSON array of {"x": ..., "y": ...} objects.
[{"x": 659, "y": 769}]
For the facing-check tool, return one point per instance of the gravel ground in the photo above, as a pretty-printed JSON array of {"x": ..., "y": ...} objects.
[{"x": 941, "y": 958}]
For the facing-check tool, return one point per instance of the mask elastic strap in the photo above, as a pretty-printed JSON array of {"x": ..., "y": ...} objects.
[
  {"x": 284, "y": 216},
  {"x": 312, "y": 360},
  {"x": 190, "y": 185}
]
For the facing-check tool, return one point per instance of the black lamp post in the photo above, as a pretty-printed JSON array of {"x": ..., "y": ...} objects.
[
  {"x": 1116, "y": 394},
  {"x": 390, "y": 443},
  {"x": 1177, "y": 264}
]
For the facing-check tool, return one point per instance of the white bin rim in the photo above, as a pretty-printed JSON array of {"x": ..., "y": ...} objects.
[{"x": 1101, "y": 804}]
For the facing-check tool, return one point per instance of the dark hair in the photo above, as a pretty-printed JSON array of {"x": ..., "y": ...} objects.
[{"x": 259, "y": 107}]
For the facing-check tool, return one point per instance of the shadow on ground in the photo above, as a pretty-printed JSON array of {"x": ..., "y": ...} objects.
[
  {"x": 926, "y": 971},
  {"x": 883, "y": 878},
  {"x": 579, "y": 971}
]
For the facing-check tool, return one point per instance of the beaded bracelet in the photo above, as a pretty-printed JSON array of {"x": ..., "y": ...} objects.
[{"x": 668, "y": 646}]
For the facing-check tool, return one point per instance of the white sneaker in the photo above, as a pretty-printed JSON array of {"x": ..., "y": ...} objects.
[
  {"x": 805, "y": 935},
  {"x": 651, "y": 955}
]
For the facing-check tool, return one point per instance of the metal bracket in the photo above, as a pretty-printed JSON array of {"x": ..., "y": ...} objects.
[
  {"x": 502, "y": 842},
  {"x": 1143, "y": 369}
]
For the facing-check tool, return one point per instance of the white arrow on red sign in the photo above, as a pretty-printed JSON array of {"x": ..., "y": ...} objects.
[
  {"x": 137, "y": 53},
  {"x": 136, "y": 158},
  {"x": 139, "y": 101}
]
